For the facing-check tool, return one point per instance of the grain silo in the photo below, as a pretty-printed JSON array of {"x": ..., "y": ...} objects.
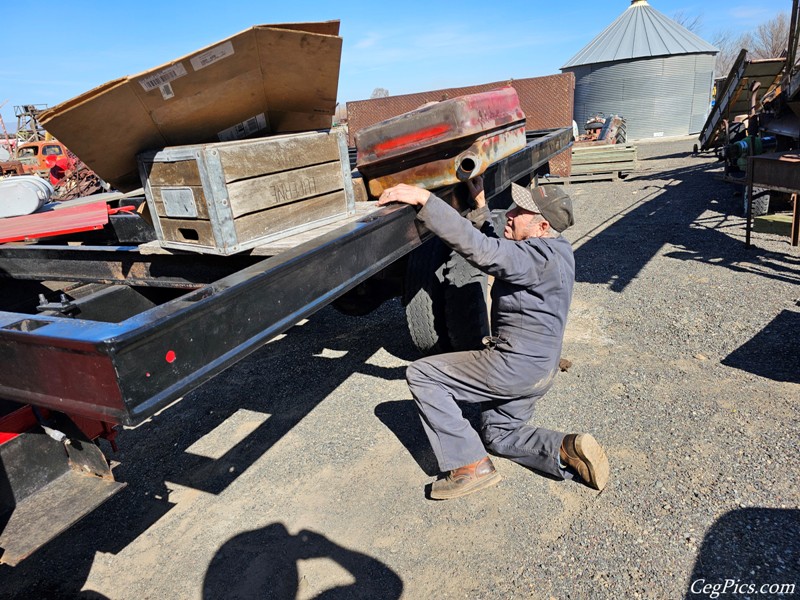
[{"x": 650, "y": 70}]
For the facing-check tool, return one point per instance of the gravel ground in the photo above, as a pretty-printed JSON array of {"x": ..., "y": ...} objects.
[{"x": 299, "y": 472}]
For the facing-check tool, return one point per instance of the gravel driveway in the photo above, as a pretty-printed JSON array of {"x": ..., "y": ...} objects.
[{"x": 299, "y": 472}]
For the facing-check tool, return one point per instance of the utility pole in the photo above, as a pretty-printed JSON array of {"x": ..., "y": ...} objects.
[{"x": 28, "y": 128}]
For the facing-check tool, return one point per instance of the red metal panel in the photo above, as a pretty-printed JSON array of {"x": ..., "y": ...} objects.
[
  {"x": 59, "y": 221},
  {"x": 16, "y": 422},
  {"x": 546, "y": 101},
  {"x": 49, "y": 377},
  {"x": 22, "y": 419},
  {"x": 442, "y": 122}
]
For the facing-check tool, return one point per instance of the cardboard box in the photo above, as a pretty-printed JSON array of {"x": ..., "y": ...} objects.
[
  {"x": 227, "y": 197},
  {"x": 267, "y": 79}
]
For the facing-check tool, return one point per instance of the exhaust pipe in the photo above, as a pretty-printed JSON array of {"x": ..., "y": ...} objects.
[{"x": 468, "y": 166}]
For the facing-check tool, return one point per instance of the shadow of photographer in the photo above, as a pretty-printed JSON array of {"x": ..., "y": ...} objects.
[
  {"x": 749, "y": 551},
  {"x": 263, "y": 563}
]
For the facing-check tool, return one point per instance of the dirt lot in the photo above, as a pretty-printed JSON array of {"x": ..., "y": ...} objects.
[{"x": 299, "y": 472}]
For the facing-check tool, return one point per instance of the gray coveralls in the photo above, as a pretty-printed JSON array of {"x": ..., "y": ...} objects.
[{"x": 530, "y": 300}]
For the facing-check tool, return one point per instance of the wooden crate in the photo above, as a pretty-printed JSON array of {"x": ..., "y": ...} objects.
[
  {"x": 778, "y": 223},
  {"x": 606, "y": 158},
  {"x": 222, "y": 198}
]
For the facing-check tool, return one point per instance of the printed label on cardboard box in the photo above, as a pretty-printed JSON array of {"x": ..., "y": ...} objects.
[
  {"x": 209, "y": 57},
  {"x": 166, "y": 91},
  {"x": 156, "y": 80},
  {"x": 244, "y": 129}
]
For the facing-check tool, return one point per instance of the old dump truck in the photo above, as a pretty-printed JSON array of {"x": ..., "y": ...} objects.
[{"x": 102, "y": 329}]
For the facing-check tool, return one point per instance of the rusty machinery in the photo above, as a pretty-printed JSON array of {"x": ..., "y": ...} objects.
[{"x": 771, "y": 90}]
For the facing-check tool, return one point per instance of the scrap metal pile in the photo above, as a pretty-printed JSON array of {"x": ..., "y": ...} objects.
[
  {"x": 78, "y": 182},
  {"x": 44, "y": 158},
  {"x": 754, "y": 127}
]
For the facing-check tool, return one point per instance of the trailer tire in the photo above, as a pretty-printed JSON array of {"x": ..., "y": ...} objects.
[
  {"x": 466, "y": 315},
  {"x": 445, "y": 300},
  {"x": 424, "y": 297},
  {"x": 761, "y": 197}
]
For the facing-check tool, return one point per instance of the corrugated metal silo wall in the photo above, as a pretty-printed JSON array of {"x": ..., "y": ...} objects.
[
  {"x": 703, "y": 85},
  {"x": 658, "y": 97}
]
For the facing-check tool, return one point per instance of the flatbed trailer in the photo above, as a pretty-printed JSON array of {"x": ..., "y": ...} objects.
[{"x": 123, "y": 331}]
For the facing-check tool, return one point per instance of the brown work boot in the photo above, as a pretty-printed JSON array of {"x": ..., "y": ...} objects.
[
  {"x": 465, "y": 480},
  {"x": 581, "y": 452}
]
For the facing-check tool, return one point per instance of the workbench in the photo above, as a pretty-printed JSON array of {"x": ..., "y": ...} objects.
[{"x": 778, "y": 171}]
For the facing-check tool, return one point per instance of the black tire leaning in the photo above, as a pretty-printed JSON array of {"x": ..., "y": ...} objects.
[{"x": 761, "y": 197}]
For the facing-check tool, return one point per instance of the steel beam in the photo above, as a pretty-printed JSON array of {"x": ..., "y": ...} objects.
[
  {"x": 541, "y": 148},
  {"x": 124, "y": 372},
  {"x": 116, "y": 264}
]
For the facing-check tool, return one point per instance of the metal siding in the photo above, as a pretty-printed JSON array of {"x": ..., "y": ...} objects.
[
  {"x": 639, "y": 32},
  {"x": 703, "y": 82},
  {"x": 674, "y": 100},
  {"x": 662, "y": 95}
]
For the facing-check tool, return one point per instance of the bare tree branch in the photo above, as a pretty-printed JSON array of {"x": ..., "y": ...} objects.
[
  {"x": 770, "y": 39},
  {"x": 692, "y": 23},
  {"x": 729, "y": 45}
]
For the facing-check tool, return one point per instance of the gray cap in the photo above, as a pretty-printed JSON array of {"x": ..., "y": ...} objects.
[{"x": 550, "y": 201}]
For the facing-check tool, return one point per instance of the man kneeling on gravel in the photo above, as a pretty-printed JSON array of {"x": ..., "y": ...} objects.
[{"x": 534, "y": 271}]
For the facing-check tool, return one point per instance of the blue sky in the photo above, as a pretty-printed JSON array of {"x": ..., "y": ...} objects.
[{"x": 407, "y": 47}]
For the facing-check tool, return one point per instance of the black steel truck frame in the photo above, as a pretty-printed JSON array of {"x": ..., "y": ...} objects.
[{"x": 124, "y": 372}]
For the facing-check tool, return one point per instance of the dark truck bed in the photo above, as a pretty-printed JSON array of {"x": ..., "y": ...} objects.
[{"x": 137, "y": 327}]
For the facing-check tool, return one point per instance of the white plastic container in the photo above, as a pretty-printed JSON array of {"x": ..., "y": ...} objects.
[{"x": 23, "y": 195}]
